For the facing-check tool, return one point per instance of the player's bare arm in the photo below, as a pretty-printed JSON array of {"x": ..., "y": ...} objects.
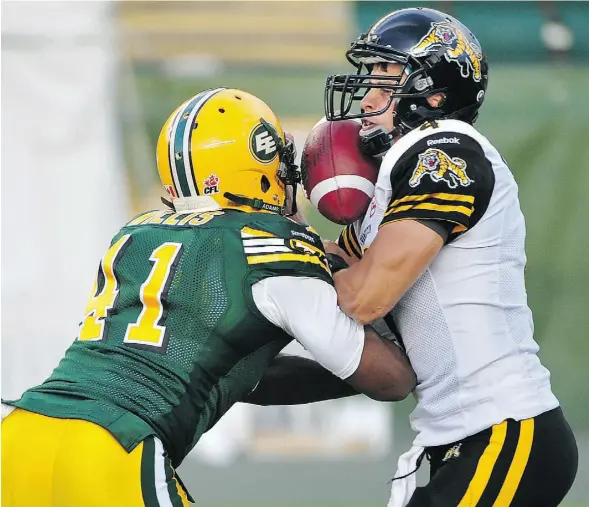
[
  {"x": 356, "y": 354},
  {"x": 296, "y": 380},
  {"x": 400, "y": 253},
  {"x": 384, "y": 372}
]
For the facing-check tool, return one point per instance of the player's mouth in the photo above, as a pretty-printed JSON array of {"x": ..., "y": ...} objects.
[{"x": 367, "y": 125}]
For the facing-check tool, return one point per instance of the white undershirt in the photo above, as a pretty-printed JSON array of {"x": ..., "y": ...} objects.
[{"x": 306, "y": 308}]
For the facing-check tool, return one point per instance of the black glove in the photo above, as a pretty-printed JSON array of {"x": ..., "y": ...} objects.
[{"x": 336, "y": 262}]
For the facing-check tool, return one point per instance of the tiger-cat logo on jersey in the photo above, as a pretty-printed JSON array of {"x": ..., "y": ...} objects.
[
  {"x": 453, "y": 452},
  {"x": 440, "y": 167},
  {"x": 459, "y": 49}
]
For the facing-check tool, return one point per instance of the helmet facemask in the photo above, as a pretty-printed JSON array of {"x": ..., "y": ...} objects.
[
  {"x": 288, "y": 172},
  {"x": 412, "y": 81}
]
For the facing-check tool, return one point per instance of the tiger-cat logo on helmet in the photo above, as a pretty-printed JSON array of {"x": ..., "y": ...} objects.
[
  {"x": 262, "y": 145},
  {"x": 440, "y": 167},
  {"x": 459, "y": 49}
]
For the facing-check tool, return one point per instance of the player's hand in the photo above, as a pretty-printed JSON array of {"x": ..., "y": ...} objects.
[{"x": 331, "y": 247}]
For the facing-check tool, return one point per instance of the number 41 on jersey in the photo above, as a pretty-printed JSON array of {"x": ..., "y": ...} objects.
[{"x": 148, "y": 329}]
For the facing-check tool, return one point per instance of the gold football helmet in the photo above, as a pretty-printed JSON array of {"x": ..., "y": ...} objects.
[{"x": 226, "y": 147}]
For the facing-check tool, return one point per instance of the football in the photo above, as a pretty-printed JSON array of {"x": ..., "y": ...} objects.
[{"x": 338, "y": 178}]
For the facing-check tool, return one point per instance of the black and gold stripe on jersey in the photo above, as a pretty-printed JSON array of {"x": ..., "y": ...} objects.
[
  {"x": 262, "y": 247},
  {"x": 349, "y": 243},
  {"x": 455, "y": 208}
]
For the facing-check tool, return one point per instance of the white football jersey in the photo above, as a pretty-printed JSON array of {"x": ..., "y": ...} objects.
[{"x": 465, "y": 323}]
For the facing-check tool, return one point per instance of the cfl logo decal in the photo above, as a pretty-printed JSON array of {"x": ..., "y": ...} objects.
[
  {"x": 211, "y": 185},
  {"x": 262, "y": 145},
  {"x": 170, "y": 191}
]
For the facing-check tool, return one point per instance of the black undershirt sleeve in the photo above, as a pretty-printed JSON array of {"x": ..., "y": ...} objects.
[{"x": 443, "y": 228}]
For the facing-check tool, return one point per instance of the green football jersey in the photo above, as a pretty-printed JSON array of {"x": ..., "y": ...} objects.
[{"x": 171, "y": 337}]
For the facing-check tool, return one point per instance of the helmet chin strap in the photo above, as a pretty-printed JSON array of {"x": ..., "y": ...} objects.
[
  {"x": 254, "y": 203},
  {"x": 376, "y": 141}
]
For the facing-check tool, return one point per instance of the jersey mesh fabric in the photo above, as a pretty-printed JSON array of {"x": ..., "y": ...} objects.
[
  {"x": 512, "y": 294},
  {"x": 216, "y": 346},
  {"x": 419, "y": 313}
]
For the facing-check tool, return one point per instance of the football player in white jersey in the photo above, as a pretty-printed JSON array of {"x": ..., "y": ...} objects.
[{"x": 440, "y": 254}]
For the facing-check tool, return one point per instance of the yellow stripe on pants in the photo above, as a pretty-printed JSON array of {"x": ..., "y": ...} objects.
[
  {"x": 485, "y": 466},
  {"x": 518, "y": 465}
]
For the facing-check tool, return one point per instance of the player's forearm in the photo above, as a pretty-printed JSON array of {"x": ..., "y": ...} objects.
[
  {"x": 366, "y": 292},
  {"x": 295, "y": 380},
  {"x": 384, "y": 372},
  {"x": 360, "y": 298},
  {"x": 399, "y": 255}
]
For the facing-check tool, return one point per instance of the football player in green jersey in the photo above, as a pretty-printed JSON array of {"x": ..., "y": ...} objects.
[{"x": 188, "y": 309}]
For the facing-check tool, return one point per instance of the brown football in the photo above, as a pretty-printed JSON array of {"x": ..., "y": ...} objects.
[{"x": 338, "y": 178}]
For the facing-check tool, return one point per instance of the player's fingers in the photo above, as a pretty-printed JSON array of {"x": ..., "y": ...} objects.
[{"x": 334, "y": 248}]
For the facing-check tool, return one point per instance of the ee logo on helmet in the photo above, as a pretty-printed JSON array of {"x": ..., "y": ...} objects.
[{"x": 262, "y": 145}]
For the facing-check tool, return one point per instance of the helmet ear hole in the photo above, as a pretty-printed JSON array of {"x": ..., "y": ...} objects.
[{"x": 265, "y": 184}]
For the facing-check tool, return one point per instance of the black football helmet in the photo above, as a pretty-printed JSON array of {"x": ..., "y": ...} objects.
[{"x": 438, "y": 54}]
